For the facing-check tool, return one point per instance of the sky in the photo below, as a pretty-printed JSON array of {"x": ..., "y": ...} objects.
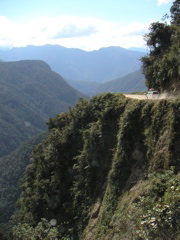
[{"x": 84, "y": 24}]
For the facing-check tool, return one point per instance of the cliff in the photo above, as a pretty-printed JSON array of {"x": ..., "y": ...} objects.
[{"x": 109, "y": 169}]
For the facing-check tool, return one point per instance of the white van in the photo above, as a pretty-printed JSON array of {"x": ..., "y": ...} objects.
[{"x": 152, "y": 94}]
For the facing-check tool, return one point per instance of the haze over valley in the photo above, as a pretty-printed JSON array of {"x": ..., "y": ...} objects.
[{"x": 77, "y": 65}]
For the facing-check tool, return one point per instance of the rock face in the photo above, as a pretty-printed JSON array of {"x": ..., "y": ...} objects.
[{"x": 109, "y": 166}]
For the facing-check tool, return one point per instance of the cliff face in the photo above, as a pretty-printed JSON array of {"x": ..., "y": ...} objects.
[{"x": 107, "y": 170}]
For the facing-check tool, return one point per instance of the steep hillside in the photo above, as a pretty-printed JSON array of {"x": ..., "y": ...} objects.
[
  {"x": 30, "y": 93},
  {"x": 133, "y": 82},
  {"x": 99, "y": 66},
  {"x": 109, "y": 169},
  {"x": 12, "y": 168}
]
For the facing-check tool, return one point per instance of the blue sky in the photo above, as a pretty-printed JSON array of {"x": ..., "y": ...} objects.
[{"x": 85, "y": 24}]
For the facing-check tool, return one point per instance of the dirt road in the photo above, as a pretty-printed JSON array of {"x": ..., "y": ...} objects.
[
  {"x": 137, "y": 96},
  {"x": 144, "y": 97}
]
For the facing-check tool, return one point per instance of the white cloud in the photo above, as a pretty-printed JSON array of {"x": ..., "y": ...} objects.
[
  {"x": 161, "y": 2},
  {"x": 71, "y": 31}
]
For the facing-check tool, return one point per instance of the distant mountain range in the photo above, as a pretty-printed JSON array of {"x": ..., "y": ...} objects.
[
  {"x": 133, "y": 82},
  {"x": 99, "y": 66},
  {"x": 86, "y": 87},
  {"x": 30, "y": 93}
]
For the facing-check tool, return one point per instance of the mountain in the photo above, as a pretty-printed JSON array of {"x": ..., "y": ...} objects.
[
  {"x": 86, "y": 87},
  {"x": 30, "y": 93},
  {"x": 98, "y": 66},
  {"x": 108, "y": 169},
  {"x": 12, "y": 169},
  {"x": 133, "y": 82}
]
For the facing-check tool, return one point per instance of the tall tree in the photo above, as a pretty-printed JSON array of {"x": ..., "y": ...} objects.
[
  {"x": 162, "y": 66},
  {"x": 175, "y": 13}
]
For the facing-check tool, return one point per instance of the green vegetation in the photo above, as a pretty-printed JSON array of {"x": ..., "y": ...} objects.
[
  {"x": 162, "y": 66},
  {"x": 30, "y": 93},
  {"x": 43, "y": 230},
  {"x": 103, "y": 172},
  {"x": 12, "y": 168},
  {"x": 150, "y": 210}
]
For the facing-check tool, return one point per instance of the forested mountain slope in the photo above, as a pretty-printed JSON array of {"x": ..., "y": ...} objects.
[
  {"x": 75, "y": 64},
  {"x": 109, "y": 169},
  {"x": 30, "y": 93},
  {"x": 133, "y": 82},
  {"x": 12, "y": 168}
]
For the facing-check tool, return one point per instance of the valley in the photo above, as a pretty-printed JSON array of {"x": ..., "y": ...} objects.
[{"x": 83, "y": 70}]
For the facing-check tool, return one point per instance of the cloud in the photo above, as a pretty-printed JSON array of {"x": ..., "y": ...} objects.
[
  {"x": 136, "y": 29},
  {"x": 72, "y": 31},
  {"x": 161, "y": 2}
]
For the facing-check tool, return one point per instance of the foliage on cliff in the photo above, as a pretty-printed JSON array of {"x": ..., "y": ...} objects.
[
  {"x": 12, "y": 168},
  {"x": 162, "y": 66},
  {"x": 105, "y": 171}
]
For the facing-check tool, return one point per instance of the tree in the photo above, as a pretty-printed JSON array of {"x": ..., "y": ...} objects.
[
  {"x": 159, "y": 38},
  {"x": 44, "y": 230},
  {"x": 162, "y": 66},
  {"x": 175, "y": 13}
]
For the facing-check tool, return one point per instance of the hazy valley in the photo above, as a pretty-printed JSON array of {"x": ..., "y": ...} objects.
[{"x": 81, "y": 68}]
